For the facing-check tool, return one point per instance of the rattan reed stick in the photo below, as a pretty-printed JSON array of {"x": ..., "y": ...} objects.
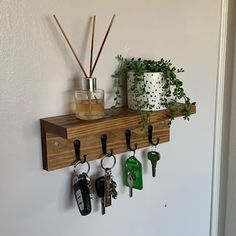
[
  {"x": 68, "y": 42},
  {"x": 104, "y": 40},
  {"x": 92, "y": 43}
]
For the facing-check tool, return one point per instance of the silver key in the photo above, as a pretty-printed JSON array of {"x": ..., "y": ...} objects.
[
  {"x": 113, "y": 189},
  {"x": 88, "y": 180},
  {"x": 107, "y": 195},
  {"x": 131, "y": 181}
]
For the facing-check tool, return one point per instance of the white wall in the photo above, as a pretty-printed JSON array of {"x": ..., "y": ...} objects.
[{"x": 37, "y": 77}]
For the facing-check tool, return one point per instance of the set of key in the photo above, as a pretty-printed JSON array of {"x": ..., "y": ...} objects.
[
  {"x": 133, "y": 171},
  {"x": 106, "y": 190},
  {"x": 105, "y": 185}
]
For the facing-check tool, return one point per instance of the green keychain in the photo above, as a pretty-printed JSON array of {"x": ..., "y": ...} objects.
[{"x": 133, "y": 174}]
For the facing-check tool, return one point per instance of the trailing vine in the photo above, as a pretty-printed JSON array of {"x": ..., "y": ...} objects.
[{"x": 173, "y": 91}]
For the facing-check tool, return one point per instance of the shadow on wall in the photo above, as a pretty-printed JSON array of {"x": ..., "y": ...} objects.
[
  {"x": 68, "y": 95},
  {"x": 64, "y": 48}
]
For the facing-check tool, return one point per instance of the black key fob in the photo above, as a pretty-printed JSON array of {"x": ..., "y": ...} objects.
[
  {"x": 82, "y": 194},
  {"x": 100, "y": 189},
  {"x": 100, "y": 186}
]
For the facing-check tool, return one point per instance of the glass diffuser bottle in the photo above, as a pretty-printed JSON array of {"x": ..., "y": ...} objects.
[{"x": 89, "y": 100}]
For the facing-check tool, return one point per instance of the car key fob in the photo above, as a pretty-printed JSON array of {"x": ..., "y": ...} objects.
[
  {"x": 100, "y": 189},
  {"x": 82, "y": 194}
]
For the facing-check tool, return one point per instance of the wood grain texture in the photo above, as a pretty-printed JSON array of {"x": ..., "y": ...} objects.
[
  {"x": 69, "y": 127},
  {"x": 58, "y": 134}
]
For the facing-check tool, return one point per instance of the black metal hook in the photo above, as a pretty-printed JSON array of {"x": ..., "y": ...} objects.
[
  {"x": 77, "y": 151},
  {"x": 128, "y": 137},
  {"x": 150, "y": 128},
  {"x": 104, "y": 145}
]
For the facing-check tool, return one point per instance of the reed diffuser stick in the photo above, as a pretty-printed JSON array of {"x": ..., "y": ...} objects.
[
  {"x": 68, "y": 42},
  {"x": 104, "y": 40},
  {"x": 92, "y": 42}
]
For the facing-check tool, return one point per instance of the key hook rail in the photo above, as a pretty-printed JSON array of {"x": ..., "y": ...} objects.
[
  {"x": 104, "y": 146},
  {"x": 77, "y": 152},
  {"x": 128, "y": 137},
  {"x": 150, "y": 128}
]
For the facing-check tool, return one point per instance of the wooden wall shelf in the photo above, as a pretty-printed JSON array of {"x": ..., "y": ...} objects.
[{"x": 58, "y": 134}]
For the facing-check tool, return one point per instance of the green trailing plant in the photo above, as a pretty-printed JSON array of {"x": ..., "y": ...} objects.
[{"x": 173, "y": 91}]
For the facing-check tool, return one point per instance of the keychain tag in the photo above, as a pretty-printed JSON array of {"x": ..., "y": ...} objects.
[{"x": 133, "y": 167}]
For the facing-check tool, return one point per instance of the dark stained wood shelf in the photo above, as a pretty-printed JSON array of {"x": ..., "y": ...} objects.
[{"x": 58, "y": 134}]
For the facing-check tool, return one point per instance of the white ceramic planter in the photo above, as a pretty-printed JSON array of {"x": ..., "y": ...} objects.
[{"x": 154, "y": 84}]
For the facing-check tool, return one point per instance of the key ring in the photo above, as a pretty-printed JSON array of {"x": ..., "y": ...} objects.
[
  {"x": 133, "y": 153},
  {"x": 154, "y": 148},
  {"x": 108, "y": 156},
  {"x": 80, "y": 162}
]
